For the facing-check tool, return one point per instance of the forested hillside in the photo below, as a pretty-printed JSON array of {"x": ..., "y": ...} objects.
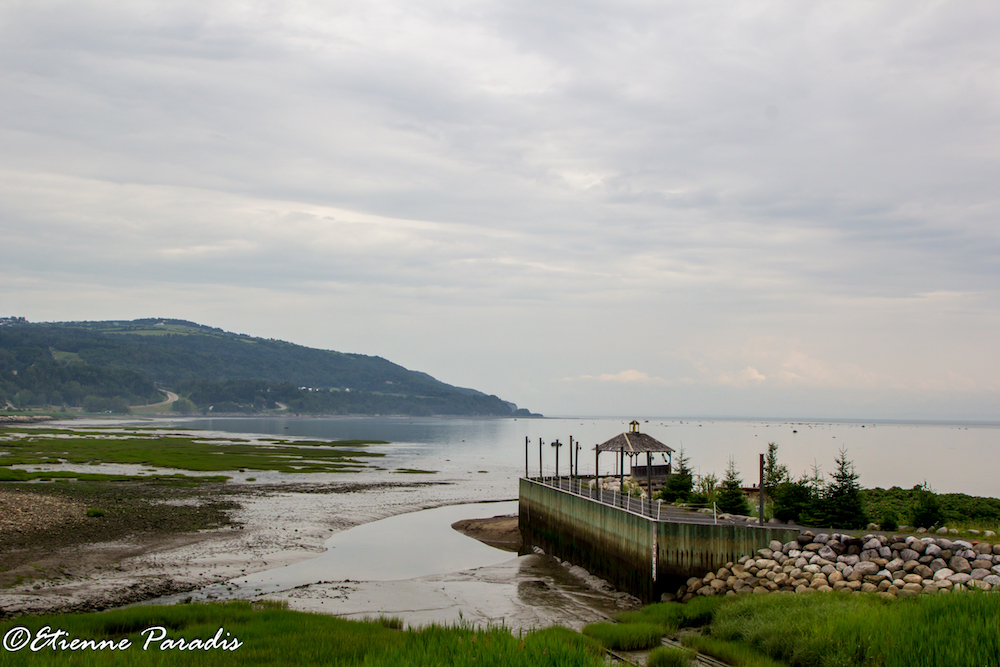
[{"x": 125, "y": 362}]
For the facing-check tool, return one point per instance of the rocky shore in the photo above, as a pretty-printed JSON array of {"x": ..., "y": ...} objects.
[{"x": 891, "y": 566}]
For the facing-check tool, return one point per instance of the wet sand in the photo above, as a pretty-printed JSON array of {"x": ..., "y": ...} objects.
[{"x": 500, "y": 532}]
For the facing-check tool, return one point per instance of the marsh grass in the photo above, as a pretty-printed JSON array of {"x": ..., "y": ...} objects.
[
  {"x": 625, "y": 636},
  {"x": 668, "y": 656},
  {"x": 733, "y": 653},
  {"x": 673, "y": 615},
  {"x": 287, "y": 638},
  {"x": 835, "y": 629},
  {"x": 182, "y": 452}
]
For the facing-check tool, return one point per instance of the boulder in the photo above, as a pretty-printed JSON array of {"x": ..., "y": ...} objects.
[
  {"x": 932, "y": 550},
  {"x": 981, "y": 562},
  {"x": 866, "y": 568},
  {"x": 943, "y": 573},
  {"x": 909, "y": 554},
  {"x": 979, "y": 573},
  {"x": 959, "y": 564},
  {"x": 827, "y": 553},
  {"x": 894, "y": 564},
  {"x": 992, "y": 579},
  {"x": 937, "y": 564},
  {"x": 872, "y": 543},
  {"x": 989, "y": 533},
  {"x": 959, "y": 578}
]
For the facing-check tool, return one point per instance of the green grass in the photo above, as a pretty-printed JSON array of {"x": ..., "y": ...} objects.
[
  {"x": 626, "y": 636},
  {"x": 183, "y": 452},
  {"x": 733, "y": 653},
  {"x": 274, "y": 636},
  {"x": 835, "y": 630},
  {"x": 673, "y": 615},
  {"x": 667, "y": 656}
]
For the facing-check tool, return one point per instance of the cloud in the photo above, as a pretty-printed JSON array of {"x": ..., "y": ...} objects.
[
  {"x": 624, "y": 377},
  {"x": 755, "y": 199}
]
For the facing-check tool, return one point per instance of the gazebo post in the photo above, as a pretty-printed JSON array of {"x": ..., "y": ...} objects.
[
  {"x": 621, "y": 476},
  {"x": 649, "y": 482},
  {"x": 597, "y": 472}
]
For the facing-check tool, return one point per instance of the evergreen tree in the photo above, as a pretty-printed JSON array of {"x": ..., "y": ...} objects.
[
  {"x": 927, "y": 510},
  {"x": 774, "y": 472},
  {"x": 842, "y": 506},
  {"x": 731, "y": 498},
  {"x": 679, "y": 484}
]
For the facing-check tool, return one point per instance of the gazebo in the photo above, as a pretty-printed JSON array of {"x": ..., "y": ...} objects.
[{"x": 632, "y": 443}]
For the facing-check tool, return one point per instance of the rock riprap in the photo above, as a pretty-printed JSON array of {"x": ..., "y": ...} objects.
[{"x": 892, "y": 566}]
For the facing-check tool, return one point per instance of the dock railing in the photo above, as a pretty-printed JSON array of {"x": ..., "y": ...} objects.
[{"x": 657, "y": 510}]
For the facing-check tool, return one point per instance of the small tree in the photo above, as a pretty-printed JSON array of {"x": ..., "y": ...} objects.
[
  {"x": 706, "y": 491},
  {"x": 731, "y": 498},
  {"x": 680, "y": 483},
  {"x": 774, "y": 472},
  {"x": 793, "y": 501},
  {"x": 842, "y": 506},
  {"x": 927, "y": 510}
]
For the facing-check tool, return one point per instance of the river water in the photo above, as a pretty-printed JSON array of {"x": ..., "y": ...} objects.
[{"x": 951, "y": 457}]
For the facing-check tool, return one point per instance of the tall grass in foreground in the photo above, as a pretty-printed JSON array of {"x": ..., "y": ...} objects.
[
  {"x": 625, "y": 637},
  {"x": 833, "y": 630},
  {"x": 280, "y": 637}
]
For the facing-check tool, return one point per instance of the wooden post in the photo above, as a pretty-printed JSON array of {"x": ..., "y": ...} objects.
[
  {"x": 760, "y": 515},
  {"x": 525, "y": 457},
  {"x": 649, "y": 482},
  {"x": 570, "y": 463},
  {"x": 621, "y": 473},
  {"x": 597, "y": 472},
  {"x": 541, "y": 475}
]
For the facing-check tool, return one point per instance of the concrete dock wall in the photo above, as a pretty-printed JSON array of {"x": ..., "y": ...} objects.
[{"x": 635, "y": 553}]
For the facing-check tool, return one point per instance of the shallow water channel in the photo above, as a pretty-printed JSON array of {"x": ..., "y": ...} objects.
[{"x": 405, "y": 546}]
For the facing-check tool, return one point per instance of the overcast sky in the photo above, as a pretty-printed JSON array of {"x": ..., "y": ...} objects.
[{"x": 592, "y": 208}]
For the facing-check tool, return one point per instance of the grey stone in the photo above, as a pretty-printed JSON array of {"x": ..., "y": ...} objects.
[
  {"x": 944, "y": 543},
  {"x": 962, "y": 543},
  {"x": 995, "y": 569},
  {"x": 943, "y": 530},
  {"x": 953, "y": 531},
  {"x": 885, "y": 552},
  {"x": 932, "y": 550},
  {"x": 992, "y": 579},
  {"x": 787, "y": 547},
  {"x": 828, "y": 553},
  {"x": 918, "y": 546},
  {"x": 909, "y": 554},
  {"x": 959, "y": 578},
  {"x": 982, "y": 562},
  {"x": 937, "y": 564},
  {"x": 959, "y": 564},
  {"x": 872, "y": 543},
  {"x": 837, "y": 546},
  {"x": 910, "y": 565},
  {"x": 921, "y": 530},
  {"x": 775, "y": 545},
  {"x": 924, "y": 571},
  {"x": 813, "y": 546},
  {"x": 996, "y": 549},
  {"x": 989, "y": 533},
  {"x": 979, "y": 573},
  {"x": 822, "y": 538},
  {"x": 805, "y": 537},
  {"x": 849, "y": 559},
  {"x": 866, "y": 568},
  {"x": 894, "y": 564},
  {"x": 983, "y": 548},
  {"x": 943, "y": 573}
]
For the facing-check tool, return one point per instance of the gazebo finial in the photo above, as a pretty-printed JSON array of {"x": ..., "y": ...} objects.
[{"x": 633, "y": 426}]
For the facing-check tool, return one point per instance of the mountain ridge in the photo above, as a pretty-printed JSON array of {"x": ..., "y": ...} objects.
[{"x": 214, "y": 365}]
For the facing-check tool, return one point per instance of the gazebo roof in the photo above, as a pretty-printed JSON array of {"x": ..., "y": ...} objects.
[{"x": 633, "y": 442}]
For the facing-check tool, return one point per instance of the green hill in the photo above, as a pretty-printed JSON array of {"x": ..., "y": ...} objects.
[{"x": 126, "y": 361}]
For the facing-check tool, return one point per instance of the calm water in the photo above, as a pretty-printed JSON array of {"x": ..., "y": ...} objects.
[{"x": 951, "y": 457}]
